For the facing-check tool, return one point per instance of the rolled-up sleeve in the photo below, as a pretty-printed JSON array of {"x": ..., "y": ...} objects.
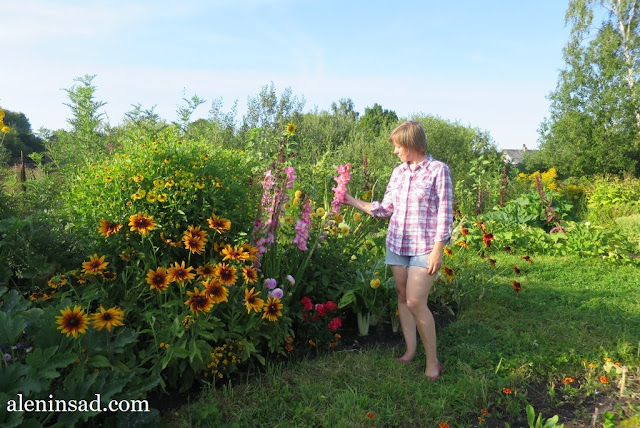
[{"x": 444, "y": 219}]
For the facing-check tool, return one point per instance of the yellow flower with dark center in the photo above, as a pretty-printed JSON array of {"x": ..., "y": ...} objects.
[
  {"x": 95, "y": 265},
  {"x": 5, "y": 129},
  {"x": 57, "y": 281},
  {"x": 249, "y": 252},
  {"x": 195, "y": 232},
  {"x": 151, "y": 197},
  {"x": 72, "y": 321},
  {"x": 226, "y": 273},
  {"x": 195, "y": 244},
  {"x": 108, "y": 318},
  {"x": 205, "y": 271},
  {"x": 158, "y": 279},
  {"x": 291, "y": 128},
  {"x": 169, "y": 183},
  {"x": 141, "y": 223},
  {"x": 107, "y": 227},
  {"x": 252, "y": 301},
  {"x": 162, "y": 197},
  {"x": 216, "y": 291},
  {"x": 448, "y": 272},
  {"x": 448, "y": 252},
  {"x": 158, "y": 182},
  {"x": 109, "y": 276},
  {"x": 138, "y": 178},
  {"x": 187, "y": 322},
  {"x": 231, "y": 253},
  {"x": 199, "y": 185},
  {"x": 198, "y": 301},
  {"x": 108, "y": 179},
  {"x": 273, "y": 309},
  {"x": 249, "y": 274},
  {"x": 219, "y": 224},
  {"x": 180, "y": 273}
]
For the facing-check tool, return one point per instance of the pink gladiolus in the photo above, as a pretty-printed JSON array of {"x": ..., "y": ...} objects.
[
  {"x": 302, "y": 227},
  {"x": 341, "y": 189}
]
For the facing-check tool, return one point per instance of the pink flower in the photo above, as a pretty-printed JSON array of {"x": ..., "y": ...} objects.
[
  {"x": 291, "y": 279},
  {"x": 270, "y": 283},
  {"x": 341, "y": 189},
  {"x": 335, "y": 324},
  {"x": 277, "y": 293},
  {"x": 302, "y": 227},
  {"x": 291, "y": 176}
]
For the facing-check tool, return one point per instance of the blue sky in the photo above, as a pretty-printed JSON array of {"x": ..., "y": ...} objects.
[{"x": 488, "y": 64}]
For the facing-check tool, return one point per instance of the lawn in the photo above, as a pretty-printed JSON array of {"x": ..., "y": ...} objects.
[{"x": 549, "y": 346}]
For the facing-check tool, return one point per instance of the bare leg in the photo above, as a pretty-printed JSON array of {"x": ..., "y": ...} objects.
[
  {"x": 418, "y": 286},
  {"x": 406, "y": 318}
]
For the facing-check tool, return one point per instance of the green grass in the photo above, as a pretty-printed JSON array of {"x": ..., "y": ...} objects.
[{"x": 570, "y": 313}]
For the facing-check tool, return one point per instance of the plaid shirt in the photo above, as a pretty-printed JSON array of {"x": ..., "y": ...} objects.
[{"x": 420, "y": 205}]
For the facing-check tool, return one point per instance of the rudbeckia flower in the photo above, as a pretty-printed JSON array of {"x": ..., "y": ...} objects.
[
  {"x": 72, "y": 321},
  {"x": 108, "y": 318}
]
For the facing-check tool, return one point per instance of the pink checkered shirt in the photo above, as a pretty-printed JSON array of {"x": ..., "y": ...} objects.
[{"x": 420, "y": 205}]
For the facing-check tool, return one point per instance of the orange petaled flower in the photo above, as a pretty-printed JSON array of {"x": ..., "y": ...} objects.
[
  {"x": 516, "y": 270},
  {"x": 484, "y": 412},
  {"x": 141, "y": 223},
  {"x": 205, "y": 271},
  {"x": 195, "y": 232},
  {"x": 448, "y": 252},
  {"x": 492, "y": 262},
  {"x": 507, "y": 391},
  {"x": 448, "y": 272},
  {"x": 462, "y": 243},
  {"x": 195, "y": 244},
  {"x": 252, "y": 301},
  {"x": 95, "y": 265},
  {"x": 481, "y": 226},
  {"x": 158, "y": 279},
  {"x": 57, "y": 281},
  {"x": 370, "y": 415},
  {"x": 480, "y": 419},
  {"x": 464, "y": 231},
  {"x": 527, "y": 259},
  {"x": 249, "y": 274},
  {"x": 443, "y": 425},
  {"x": 216, "y": 291},
  {"x": 249, "y": 252},
  {"x": 107, "y": 227},
  {"x": 226, "y": 273},
  {"x": 567, "y": 380},
  {"x": 604, "y": 379},
  {"x": 108, "y": 318},
  {"x": 199, "y": 301},
  {"x": 109, "y": 276},
  {"x": 288, "y": 347},
  {"x": 219, "y": 224},
  {"x": 231, "y": 253},
  {"x": 312, "y": 343},
  {"x": 516, "y": 286},
  {"x": 72, "y": 321},
  {"x": 487, "y": 238},
  {"x": 273, "y": 310},
  {"x": 180, "y": 273}
]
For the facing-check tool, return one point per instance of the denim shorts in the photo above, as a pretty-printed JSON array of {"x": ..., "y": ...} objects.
[{"x": 394, "y": 259}]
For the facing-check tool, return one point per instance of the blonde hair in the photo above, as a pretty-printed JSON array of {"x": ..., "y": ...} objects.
[{"x": 410, "y": 135}]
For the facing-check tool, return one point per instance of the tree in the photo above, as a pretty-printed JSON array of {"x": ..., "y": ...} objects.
[
  {"x": 376, "y": 119},
  {"x": 594, "y": 122},
  {"x": 20, "y": 138}
]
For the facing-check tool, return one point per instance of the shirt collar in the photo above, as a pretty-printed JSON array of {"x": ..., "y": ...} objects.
[{"x": 422, "y": 164}]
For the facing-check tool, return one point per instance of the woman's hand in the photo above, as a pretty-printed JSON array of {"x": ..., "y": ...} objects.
[{"x": 435, "y": 258}]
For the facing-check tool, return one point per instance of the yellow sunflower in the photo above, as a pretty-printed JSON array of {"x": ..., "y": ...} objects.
[
  {"x": 199, "y": 301},
  {"x": 108, "y": 318},
  {"x": 158, "y": 279},
  {"x": 291, "y": 128},
  {"x": 252, "y": 301},
  {"x": 219, "y": 224},
  {"x": 72, "y": 321},
  {"x": 141, "y": 223},
  {"x": 180, "y": 274},
  {"x": 107, "y": 227},
  {"x": 273, "y": 309},
  {"x": 231, "y": 253},
  {"x": 195, "y": 244},
  {"x": 249, "y": 252},
  {"x": 226, "y": 273},
  {"x": 216, "y": 291},
  {"x": 95, "y": 265},
  {"x": 249, "y": 274}
]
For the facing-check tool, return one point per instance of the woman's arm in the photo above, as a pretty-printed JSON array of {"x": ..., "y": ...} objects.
[{"x": 358, "y": 204}]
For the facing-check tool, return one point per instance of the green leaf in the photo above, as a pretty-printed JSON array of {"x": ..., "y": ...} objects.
[
  {"x": 99, "y": 361},
  {"x": 348, "y": 298},
  {"x": 10, "y": 328}
]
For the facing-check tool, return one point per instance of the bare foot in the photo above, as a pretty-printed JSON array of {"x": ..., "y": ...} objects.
[
  {"x": 407, "y": 357},
  {"x": 433, "y": 374}
]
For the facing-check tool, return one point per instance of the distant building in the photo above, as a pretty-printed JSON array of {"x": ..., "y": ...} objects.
[{"x": 515, "y": 156}]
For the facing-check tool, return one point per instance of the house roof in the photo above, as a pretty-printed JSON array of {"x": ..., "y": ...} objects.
[{"x": 515, "y": 156}]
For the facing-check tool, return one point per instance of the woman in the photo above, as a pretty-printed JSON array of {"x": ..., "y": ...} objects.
[{"x": 419, "y": 201}]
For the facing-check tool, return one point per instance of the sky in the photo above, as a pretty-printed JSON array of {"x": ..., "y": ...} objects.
[{"x": 486, "y": 64}]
